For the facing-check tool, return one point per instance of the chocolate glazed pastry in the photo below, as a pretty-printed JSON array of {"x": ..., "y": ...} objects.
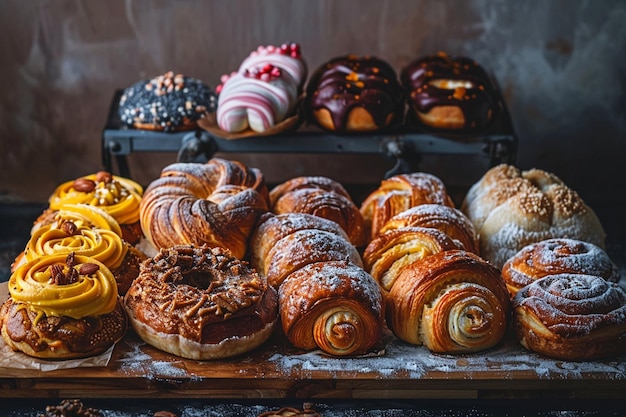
[
  {"x": 449, "y": 92},
  {"x": 352, "y": 93}
]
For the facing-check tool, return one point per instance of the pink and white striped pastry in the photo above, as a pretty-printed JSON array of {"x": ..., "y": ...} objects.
[{"x": 263, "y": 92}]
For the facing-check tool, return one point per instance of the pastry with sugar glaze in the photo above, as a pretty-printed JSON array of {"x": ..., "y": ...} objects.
[
  {"x": 557, "y": 256},
  {"x": 62, "y": 307},
  {"x": 575, "y": 317},
  {"x": 511, "y": 209},
  {"x": 217, "y": 203},
  {"x": 450, "y": 92},
  {"x": 201, "y": 303},
  {"x": 352, "y": 93}
]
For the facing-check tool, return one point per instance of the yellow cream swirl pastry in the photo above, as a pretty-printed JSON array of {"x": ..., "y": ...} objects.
[{"x": 62, "y": 307}]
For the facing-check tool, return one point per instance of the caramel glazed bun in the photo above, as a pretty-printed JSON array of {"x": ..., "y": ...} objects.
[
  {"x": 201, "y": 303},
  {"x": 62, "y": 307},
  {"x": 217, "y": 203},
  {"x": 168, "y": 102},
  {"x": 447, "y": 92},
  {"x": 575, "y": 317},
  {"x": 351, "y": 93},
  {"x": 511, "y": 208}
]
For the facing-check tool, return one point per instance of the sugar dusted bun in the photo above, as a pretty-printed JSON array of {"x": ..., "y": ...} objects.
[
  {"x": 511, "y": 208},
  {"x": 399, "y": 193},
  {"x": 351, "y": 93},
  {"x": 62, "y": 307},
  {"x": 557, "y": 256},
  {"x": 571, "y": 317},
  {"x": 168, "y": 102},
  {"x": 449, "y": 92},
  {"x": 201, "y": 303},
  {"x": 322, "y": 197},
  {"x": 217, "y": 203}
]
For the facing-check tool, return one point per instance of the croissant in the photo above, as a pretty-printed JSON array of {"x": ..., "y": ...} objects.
[
  {"x": 321, "y": 197},
  {"x": 452, "y": 302},
  {"x": 448, "y": 219},
  {"x": 400, "y": 193},
  {"x": 286, "y": 242},
  {"x": 390, "y": 252},
  {"x": 556, "y": 256},
  {"x": 571, "y": 317},
  {"x": 335, "y": 306}
]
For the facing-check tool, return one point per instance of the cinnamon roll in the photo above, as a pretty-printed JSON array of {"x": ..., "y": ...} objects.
[{"x": 571, "y": 317}]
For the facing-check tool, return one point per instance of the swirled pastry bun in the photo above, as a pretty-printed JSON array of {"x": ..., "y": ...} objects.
[
  {"x": 201, "y": 303},
  {"x": 511, "y": 208},
  {"x": 571, "y": 317},
  {"x": 62, "y": 307},
  {"x": 557, "y": 256}
]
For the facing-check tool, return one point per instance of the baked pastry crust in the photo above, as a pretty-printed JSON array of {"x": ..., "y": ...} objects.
[
  {"x": 557, "y": 256},
  {"x": 571, "y": 317},
  {"x": 452, "y": 302},
  {"x": 201, "y": 303}
]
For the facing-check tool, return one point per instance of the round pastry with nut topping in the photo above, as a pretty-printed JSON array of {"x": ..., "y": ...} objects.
[
  {"x": 62, "y": 307},
  {"x": 201, "y": 303},
  {"x": 169, "y": 102}
]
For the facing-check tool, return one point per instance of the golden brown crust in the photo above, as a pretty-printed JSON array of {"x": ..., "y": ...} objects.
[
  {"x": 390, "y": 252},
  {"x": 447, "y": 219},
  {"x": 322, "y": 197},
  {"x": 399, "y": 193},
  {"x": 128, "y": 269},
  {"x": 201, "y": 303},
  {"x": 443, "y": 117},
  {"x": 557, "y": 256},
  {"x": 451, "y": 302},
  {"x": 334, "y": 306},
  {"x": 511, "y": 209},
  {"x": 357, "y": 120},
  {"x": 571, "y": 317},
  {"x": 50, "y": 337},
  {"x": 217, "y": 204}
]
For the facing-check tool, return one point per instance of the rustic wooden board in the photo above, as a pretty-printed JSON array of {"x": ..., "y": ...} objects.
[{"x": 277, "y": 370}]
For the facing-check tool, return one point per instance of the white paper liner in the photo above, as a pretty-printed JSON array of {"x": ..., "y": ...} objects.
[{"x": 19, "y": 360}]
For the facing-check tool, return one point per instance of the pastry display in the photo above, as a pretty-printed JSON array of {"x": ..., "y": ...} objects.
[
  {"x": 449, "y": 92},
  {"x": 264, "y": 91},
  {"x": 334, "y": 306},
  {"x": 451, "y": 302},
  {"x": 118, "y": 196},
  {"x": 89, "y": 231},
  {"x": 216, "y": 203},
  {"x": 168, "y": 102},
  {"x": 399, "y": 193},
  {"x": 284, "y": 243},
  {"x": 201, "y": 303},
  {"x": 62, "y": 307},
  {"x": 323, "y": 197},
  {"x": 355, "y": 94},
  {"x": 388, "y": 253},
  {"x": 511, "y": 208},
  {"x": 451, "y": 221},
  {"x": 557, "y": 256},
  {"x": 575, "y": 317}
]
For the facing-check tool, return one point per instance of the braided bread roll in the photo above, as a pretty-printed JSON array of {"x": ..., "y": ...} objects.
[
  {"x": 335, "y": 306},
  {"x": 448, "y": 219},
  {"x": 323, "y": 197},
  {"x": 286, "y": 242},
  {"x": 571, "y": 317},
  {"x": 386, "y": 255},
  {"x": 217, "y": 204},
  {"x": 557, "y": 256},
  {"x": 400, "y": 193},
  {"x": 452, "y": 302},
  {"x": 511, "y": 208}
]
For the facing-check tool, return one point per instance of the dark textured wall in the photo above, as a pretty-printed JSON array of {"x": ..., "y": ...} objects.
[{"x": 560, "y": 63}]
